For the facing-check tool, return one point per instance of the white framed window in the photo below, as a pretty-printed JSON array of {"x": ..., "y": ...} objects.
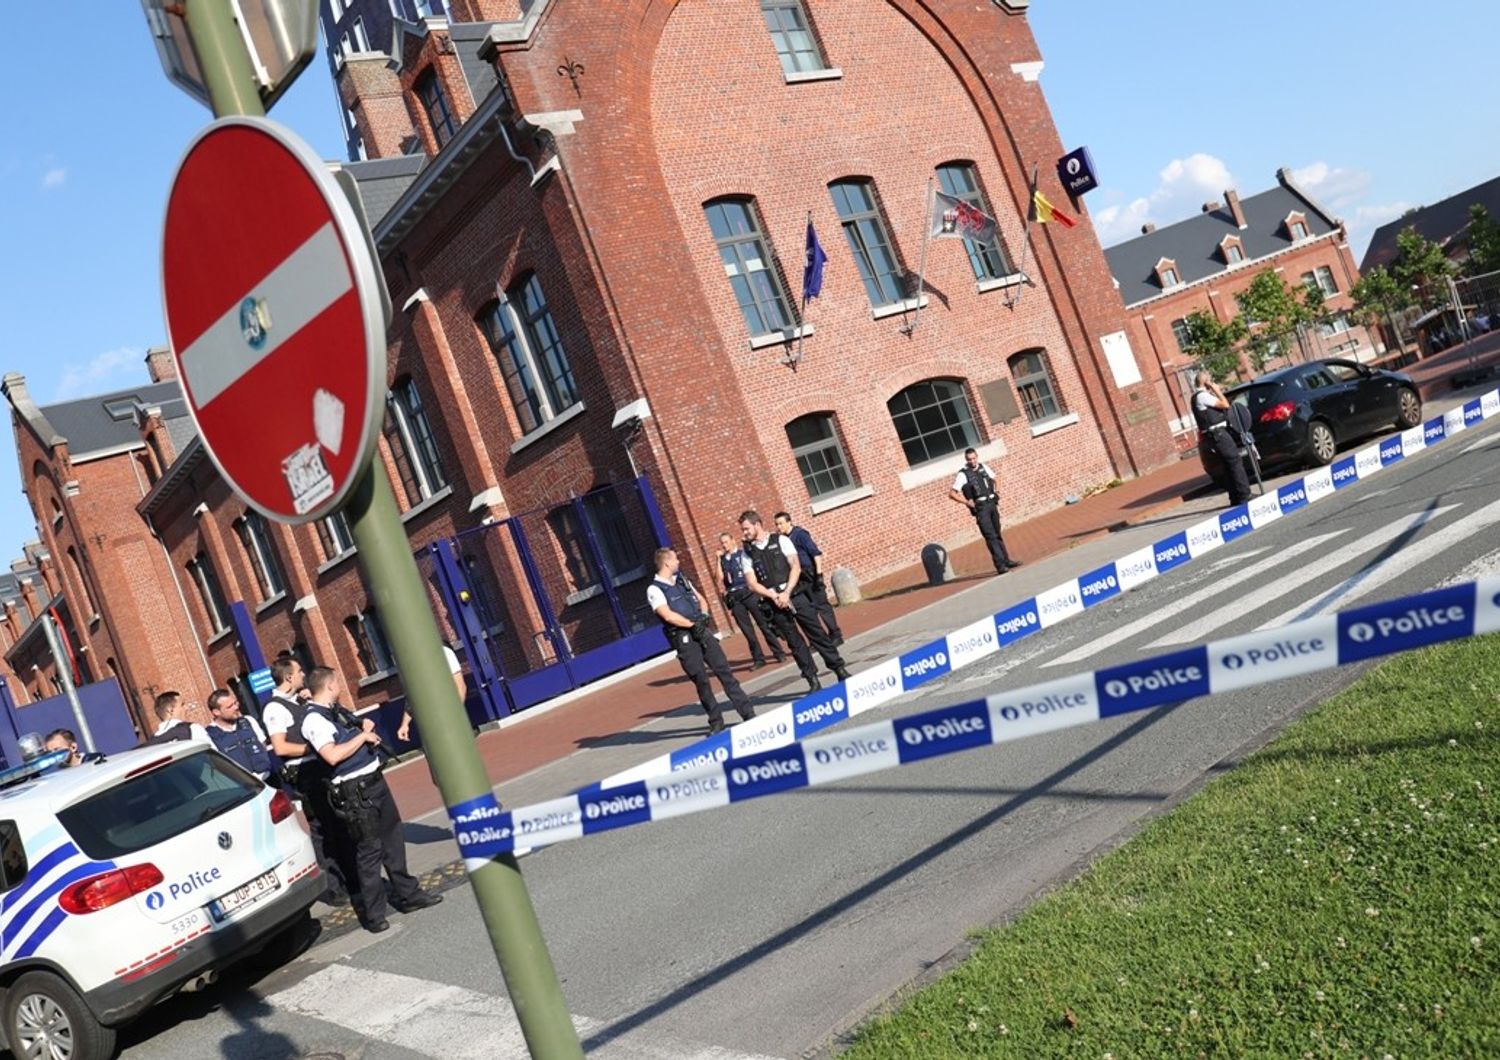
[
  {"x": 1338, "y": 324},
  {"x": 819, "y": 453},
  {"x": 361, "y": 40},
  {"x": 932, "y": 419},
  {"x": 524, "y": 339},
  {"x": 1182, "y": 331},
  {"x": 748, "y": 264},
  {"x": 791, "y": 33},
  {"x": 1233, "y": 253},
  {"x": 1033, "y": 378},
  {"x": 961, "y": 180},
  {"x": 210, "y": 595},
  {"x": 413, "y": 446},
  {"x": 335, "y": 535},
  {"x": 370, "y": 643},
  {"x": 869, "y": 241},
  {"x": 1169, "y": 277},
  {"x": 256, "y": 538}
]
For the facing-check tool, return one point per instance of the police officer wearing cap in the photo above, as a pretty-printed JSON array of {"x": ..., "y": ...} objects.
[
  {"x": 1211, "y": 411},
  {"x": 774, "y": 573},
  {"x": 305, "y": 773},
  {"x": 361, "y": 802},
  {"x": 974, "y": 487},
  {"x": 685, "y": 623},
  {"x": 743, "y": 604}
]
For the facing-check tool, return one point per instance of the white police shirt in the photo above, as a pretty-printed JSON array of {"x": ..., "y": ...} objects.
[
  {"x": 961, "y": 480},
  {"x": 278, "y": 718},
  {"x": 319, "y": 732},
  {"x": 748, "y": 566},
  {"x": 198, "y": 731},
  {"x": 655, "y": 597}
]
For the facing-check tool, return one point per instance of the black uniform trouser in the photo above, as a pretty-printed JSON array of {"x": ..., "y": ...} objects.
[
  {"x": 788, "y": 629},
  {"x": 698, "y": 656},
  {"x": 748, "y": 617},
  {"x": 987, "y": 515},
  {"x": 381, "y": 846},
  {"x": 323, "y": 829},
  {"x": 805, "y": 611},
  {"x": 819, "y": 593},
  {"x": 1234, "y": 464}
]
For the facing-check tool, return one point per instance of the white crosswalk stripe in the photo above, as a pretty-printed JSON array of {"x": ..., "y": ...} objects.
[
  {"x": 1277, "y": 587},
  {"x": 1367, "y": 581},
  {"x": 449, "y": 1022},
  {"x": 1214, "y": 591},
  {"x": 1481, "y": 444}
]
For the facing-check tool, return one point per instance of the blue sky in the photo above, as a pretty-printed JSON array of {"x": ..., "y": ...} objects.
[{"x": 1176, "y": 101}]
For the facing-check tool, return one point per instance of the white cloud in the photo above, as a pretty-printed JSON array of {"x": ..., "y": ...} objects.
[
  {"x": 104, "y": 372},
  {"x": 1185, "y": 184},
  {"x": 54, "y": 177},
  {"x": 1342, "y": 192}
]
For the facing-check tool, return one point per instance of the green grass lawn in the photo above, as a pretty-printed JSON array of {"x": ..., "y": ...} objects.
[{"x": 1336, "y": 895}]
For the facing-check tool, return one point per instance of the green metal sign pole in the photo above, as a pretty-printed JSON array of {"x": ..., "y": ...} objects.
[{"x": 385, "y": 554}]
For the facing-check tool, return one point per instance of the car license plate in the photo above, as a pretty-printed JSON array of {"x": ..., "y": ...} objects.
[{"x": 249, "y": 894}]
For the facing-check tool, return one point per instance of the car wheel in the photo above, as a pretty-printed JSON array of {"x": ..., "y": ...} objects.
[
  {"x": 1411, "y": 409},
  {"x": 45, "y": 1017},
  {"x": 1321, "y": 443}
]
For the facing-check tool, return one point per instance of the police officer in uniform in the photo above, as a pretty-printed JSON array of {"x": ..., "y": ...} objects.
[
  {"x": 237, "y": 737},
  {"x": 686, "y": 625},
  {"x": 811, "y": 558},
  {"x": 974, "y": 487},
  {"x": 305, "y": 773},
  {"x": 1211, "y": 411},
  {"x": 773, "y": 573},
  {"x": 743, "y": 605},
  {"x": 361, "y": 802}
]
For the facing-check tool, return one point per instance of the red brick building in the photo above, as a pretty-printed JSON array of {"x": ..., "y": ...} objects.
[
  {"x": 1200, "y": 264},
  {"x": 591, "y": 220},
  {"x": 84, "y": 467}
]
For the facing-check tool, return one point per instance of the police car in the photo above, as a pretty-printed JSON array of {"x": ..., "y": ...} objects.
[{"x": 123, "y": 881}]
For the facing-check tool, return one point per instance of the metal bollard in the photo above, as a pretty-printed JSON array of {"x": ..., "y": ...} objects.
[{"x": 935, "y": 564}]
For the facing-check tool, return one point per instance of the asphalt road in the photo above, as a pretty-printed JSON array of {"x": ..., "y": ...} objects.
[{"x": 769, "y": 928}]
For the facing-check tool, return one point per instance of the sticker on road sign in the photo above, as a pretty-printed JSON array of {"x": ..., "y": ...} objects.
[{"x": 308, "y": 478}]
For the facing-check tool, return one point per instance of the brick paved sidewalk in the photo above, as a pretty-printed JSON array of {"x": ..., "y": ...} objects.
[
  {"x": 595, "y": 716},
  {"x": 529, "y": 742}
]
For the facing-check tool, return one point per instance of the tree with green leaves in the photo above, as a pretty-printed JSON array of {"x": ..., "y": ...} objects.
[
  {"x": 1273, "y": 313},
  {"x": 1380, "y": 299},
  {"x": 1215, "y": 345},
  {"x": 1483, "y": 240},
  {"x": 1422, "y": 268}
]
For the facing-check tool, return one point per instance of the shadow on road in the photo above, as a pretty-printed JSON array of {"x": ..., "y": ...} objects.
[{"x": 711, "y": 977}]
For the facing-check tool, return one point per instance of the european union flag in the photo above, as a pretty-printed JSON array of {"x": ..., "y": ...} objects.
[{"x": 812, "y": 270}]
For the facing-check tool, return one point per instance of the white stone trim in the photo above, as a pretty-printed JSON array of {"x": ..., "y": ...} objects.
[
  {"x": 487, "y": 498},
  {"x": 556, "y": 122},
  {"x": 1000, "y": 282},
  {"x": 828, "y": 73},
  {"x": 838, "y": 500},
  {"x": 779, "y": 338},
  {"x": 565, "y": 416},
  {"x": 946, "y": 467},
  {"x": 639, "y": 409},
  {"x": 1056, "y": 423},
  {"x": 420, "y": 295},
  {"x": 906, "y": 305},
  {"x": 1031, "y": 71}
]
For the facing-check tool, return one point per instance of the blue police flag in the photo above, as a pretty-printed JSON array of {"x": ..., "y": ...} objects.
[{"x": 812, "y": 269}]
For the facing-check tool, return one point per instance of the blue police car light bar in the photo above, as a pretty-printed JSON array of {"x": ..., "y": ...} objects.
[
  {"x": 484, "y": 830},
  {"x": 893, "y": 678},
  {"x": 35, "y": 768}
]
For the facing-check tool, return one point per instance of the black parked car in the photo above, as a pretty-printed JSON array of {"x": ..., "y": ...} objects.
[{"x": 1302, "y": 414}]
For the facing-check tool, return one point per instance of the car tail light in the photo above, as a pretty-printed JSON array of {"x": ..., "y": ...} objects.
[
  {"x": 148, "y": 767},
  {"x": 1278, "y": 413},
  {"x": 107, "y": 889},
  {"x": 281, "y": 807}
]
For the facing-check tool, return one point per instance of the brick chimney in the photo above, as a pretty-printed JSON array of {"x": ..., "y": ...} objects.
[
  {"x": 157, "y": 438},
  {"x": 1211, "y": 206},
  {"x": 372, "y": 92},
  {"x": 28, "y": 597},
  {"x": 13, "y": 623},
  {"x": 1148, "y": 228},
  {"x": 1232, "y": 198},
  {"x": 159, "y": 364}
]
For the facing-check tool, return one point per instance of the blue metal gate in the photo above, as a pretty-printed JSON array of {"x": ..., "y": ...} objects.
[{"x": 549, "y": 600}]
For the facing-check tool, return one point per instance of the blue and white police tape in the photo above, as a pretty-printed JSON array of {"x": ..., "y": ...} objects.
[
  {"x": 893, "y": 678},
  {"x": 484, "y": 830}
]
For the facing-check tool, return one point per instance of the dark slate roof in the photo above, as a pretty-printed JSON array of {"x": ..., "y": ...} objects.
[
  {"x": 107, "y": 421},
  {"x": 467, "y": 39},
  {"x": 1439, "y": 222},
  {"x": 1194, "y": 244},
  {"x": 382, "y": 182}
]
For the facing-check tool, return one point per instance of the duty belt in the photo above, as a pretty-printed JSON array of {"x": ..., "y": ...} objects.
[{"x": 985, "y": 499}]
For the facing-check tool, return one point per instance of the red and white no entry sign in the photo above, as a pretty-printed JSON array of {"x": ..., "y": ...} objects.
[{"x": 273, "y": 309}]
